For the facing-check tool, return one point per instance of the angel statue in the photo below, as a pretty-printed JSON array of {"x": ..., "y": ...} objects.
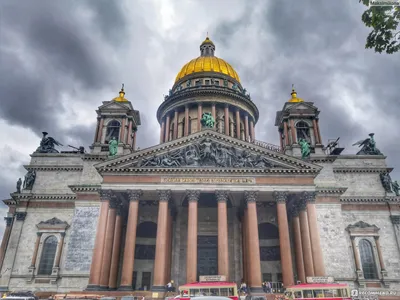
[
  {"x": 368, "y": 146},
  {"x": 305, "y": 148},
  {"x": 207, "y": 120},
  {"x": 47, "y": 144},
  {"x": 113, "y": 147}
]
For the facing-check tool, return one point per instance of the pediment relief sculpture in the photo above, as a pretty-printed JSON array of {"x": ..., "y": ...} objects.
[
  {"x": 53, "y": 223},
  {"x": 209, "y": 153}
]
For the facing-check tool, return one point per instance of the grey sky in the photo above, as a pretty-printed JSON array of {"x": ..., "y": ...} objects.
[{"x": 60, "y": 59}]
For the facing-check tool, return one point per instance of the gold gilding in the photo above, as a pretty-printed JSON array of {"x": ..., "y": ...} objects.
[
  {"x": 207, "y": 64},
  {"x": 294, "y": 97},
  {"x": 121, "y": 97},
  {"x": 207, "y": 41}
]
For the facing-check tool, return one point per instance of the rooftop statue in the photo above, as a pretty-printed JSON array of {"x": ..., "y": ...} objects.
[
  {"x": 368, "y": 146},
  {"x": 207, "y": 120},
  {"x": 113, "y": 147},
  {"x": 19, "y": 183},
  {"x": 305, "y": 148},
  {"x": 396, "y": 188},
  {"x": 47, "y": 144},
  {"x": 29, "y": 179}
]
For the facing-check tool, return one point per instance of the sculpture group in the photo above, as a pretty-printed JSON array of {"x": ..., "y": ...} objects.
[
  {"x": 368, "y": 146},
  {"x": 208, "y": 153},
  {"x": 207, "y": 120},
  {"x": 47, "y": 144}
]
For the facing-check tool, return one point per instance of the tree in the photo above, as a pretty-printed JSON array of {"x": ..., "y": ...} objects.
[{"x": 384, "y": 20}]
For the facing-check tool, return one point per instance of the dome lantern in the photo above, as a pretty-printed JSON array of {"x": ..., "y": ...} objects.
[{"x": 207, "y": 47}]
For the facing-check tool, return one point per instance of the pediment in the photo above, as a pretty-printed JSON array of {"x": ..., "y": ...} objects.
[
  {"x": 113, "y": 105},
  {"x": 208, "y": 150},
  {"x": 305, "y": 106}
]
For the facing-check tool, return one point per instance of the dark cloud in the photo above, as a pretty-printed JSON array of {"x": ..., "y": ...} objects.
[{"x": 56, "y": 54}]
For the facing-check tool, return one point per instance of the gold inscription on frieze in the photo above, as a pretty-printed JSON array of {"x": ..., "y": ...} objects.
[{"x": 212, "y": 180}]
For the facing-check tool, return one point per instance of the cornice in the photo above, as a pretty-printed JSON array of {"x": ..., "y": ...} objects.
[
  {"x": 30, "y": 196},
  {"x": 361, "y": 170},
  {"x": 85, "y": 188},
  {"x": 67, "y": 168},
  {"x": 94, "y": 157},
  {"x": 355, "y": 199},
  {"x": 206, "y": 170},
  {"x": 330, "y": 190},
  {"x": 10, "y": 202},
  {"x": 207, "y": 91},
  {"x": 327, "y": 158}
]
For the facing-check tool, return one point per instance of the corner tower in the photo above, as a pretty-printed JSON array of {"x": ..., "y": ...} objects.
[
  {"x": 207, "y": 84},
  {"x": 116, "y": 119},
  {"x": 298, "y": 119}
]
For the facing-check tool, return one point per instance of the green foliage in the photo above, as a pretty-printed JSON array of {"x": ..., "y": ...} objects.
[{"x": 384, "y": 21}]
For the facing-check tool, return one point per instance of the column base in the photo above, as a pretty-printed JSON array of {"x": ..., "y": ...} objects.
[
  {"x": 256, "y": 290},
  {"x": 92, "y": 287},
  {"x": 103, "y": 288},
  {"x": 125, "y": 288},
  {"x": 157, "y": 288}
]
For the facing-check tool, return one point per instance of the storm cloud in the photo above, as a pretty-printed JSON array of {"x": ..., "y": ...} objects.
[{"x": 60, "y": 60}]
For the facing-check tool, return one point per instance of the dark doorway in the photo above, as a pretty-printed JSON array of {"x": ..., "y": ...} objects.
[
  {"x": 134, "y": 279},
  {"x": 207, "y": 255},
  {"x": 146, "y": 280}
]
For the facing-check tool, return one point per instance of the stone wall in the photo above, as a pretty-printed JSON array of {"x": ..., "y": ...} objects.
[
  {"x": 335, "y": 242},
  {"x": 78, "y": 255}
]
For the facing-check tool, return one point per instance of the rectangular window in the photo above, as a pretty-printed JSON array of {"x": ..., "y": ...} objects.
[
  {"x": 223, "y": 292},
  {"x": 308, "y": 294},
  {"x": 198, "y": 82},
  {"x": 207, "y": 82},
  {"x": 279, "y": 277},
  {"x": 216, "y": 82}
]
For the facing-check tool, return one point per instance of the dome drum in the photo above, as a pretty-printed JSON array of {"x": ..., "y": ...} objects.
[{"x": 182, "y": 120}]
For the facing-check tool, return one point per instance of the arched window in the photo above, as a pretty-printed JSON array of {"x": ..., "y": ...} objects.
[
  {"x": 367, "y": 260},
  {"x": 303, "y": 131},
  {"x": 113, "y": 128},
  {"x": 48, "y": 255}
]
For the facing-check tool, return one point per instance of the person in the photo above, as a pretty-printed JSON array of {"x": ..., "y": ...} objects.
[
  {"x": 243, "y": 287},
  {"x": 264, "y": 286},
  {"x": 269, "y": 287},
  {"x": 169, "y": 286}
]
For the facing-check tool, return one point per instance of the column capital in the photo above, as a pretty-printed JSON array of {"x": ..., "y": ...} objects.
[
  {"x": 395, "y": 220},
  {"x": 200, "y": 104},
  {"x": 20, "y": 215},
  {"x": 376, "y": 237},
  {"x": 309, "y": 197},
  {"x": 39, "y": 234},
  {"x": 193, "y": 195},
  {"x": 222, "y": 196},
  {"x": 8, "y": 221},
  {"x": 226, "y": 105},
  {"x": 352, "y": 237},
  {"x": 280, "y": 196},
  {"x": 250, "y": 196},
  {"x": 62, "y": 234},
  {"x": 294, "y": 211},
  {"x": 134, "y": 195},
  {"x": 164, "y": 195},
  {"x": 114, "y": 203},
  {"x": 105, "y": 194}
]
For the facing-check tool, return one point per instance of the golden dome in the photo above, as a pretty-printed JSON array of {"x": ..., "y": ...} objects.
[
  {"x": 207, "y": 64},
  {"x": 294, "y": 97},
  {"x": 121, "y": 97}
]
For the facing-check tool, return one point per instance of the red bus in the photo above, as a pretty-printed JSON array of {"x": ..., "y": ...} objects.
[
  {"x": 318, "y": 291},
  {"x": 218, "y": 288}
]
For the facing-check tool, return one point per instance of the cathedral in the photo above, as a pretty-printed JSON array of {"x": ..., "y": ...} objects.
[{"x": 208, "y": 199}]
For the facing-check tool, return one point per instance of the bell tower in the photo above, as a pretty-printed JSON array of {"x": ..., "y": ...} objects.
[
  {"x": 116, "y": 119},
  {"x": 299, "y": 120}
]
